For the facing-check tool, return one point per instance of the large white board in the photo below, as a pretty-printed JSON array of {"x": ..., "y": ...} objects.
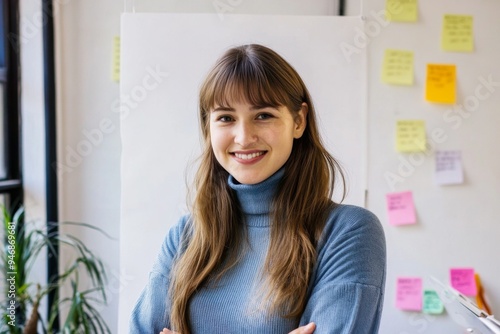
[
  {"x": 164, "y": 59},
  {"x": 457, "y": 226}
]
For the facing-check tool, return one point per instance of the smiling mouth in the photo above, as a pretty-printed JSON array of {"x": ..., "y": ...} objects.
[{"x": 249, "y": 156}]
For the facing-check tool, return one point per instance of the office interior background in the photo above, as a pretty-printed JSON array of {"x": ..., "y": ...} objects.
[{"x": 89, "y": 143}]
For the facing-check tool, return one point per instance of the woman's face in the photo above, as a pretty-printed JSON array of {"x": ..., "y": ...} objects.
[{"x": 252, "y": 143}]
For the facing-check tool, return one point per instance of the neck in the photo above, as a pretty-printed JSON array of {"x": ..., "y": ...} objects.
[{"x": 256, "y": 198}]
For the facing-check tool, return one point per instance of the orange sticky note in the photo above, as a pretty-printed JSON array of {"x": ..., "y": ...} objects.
[
  {"x": 463, "y": 280},
  {"x": 441, "y": 83},
  {"x": 409, "y": 293},
  {"x": 400, "y": 208}
]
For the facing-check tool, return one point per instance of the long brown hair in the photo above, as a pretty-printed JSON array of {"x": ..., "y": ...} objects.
[{"x": 259, "y": 76}]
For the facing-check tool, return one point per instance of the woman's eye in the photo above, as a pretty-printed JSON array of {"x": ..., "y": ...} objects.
[
  {"x": 225, "y": 118},
  {"x": 264, "y": 116}
]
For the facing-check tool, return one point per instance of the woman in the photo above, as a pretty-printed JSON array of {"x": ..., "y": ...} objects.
[{"x": 264, "y": 250}]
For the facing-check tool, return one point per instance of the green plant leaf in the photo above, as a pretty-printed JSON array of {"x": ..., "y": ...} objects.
[{"x": 32, "y": 241}]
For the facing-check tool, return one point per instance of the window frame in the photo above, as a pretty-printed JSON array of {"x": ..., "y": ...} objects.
[{"x": 12, "y": 185}]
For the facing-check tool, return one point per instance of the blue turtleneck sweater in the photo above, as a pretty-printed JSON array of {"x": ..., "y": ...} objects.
[{"x": 347, "y": 285}]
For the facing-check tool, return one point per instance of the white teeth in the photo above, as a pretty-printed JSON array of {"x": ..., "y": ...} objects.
[{"x": 248, "y": 156}]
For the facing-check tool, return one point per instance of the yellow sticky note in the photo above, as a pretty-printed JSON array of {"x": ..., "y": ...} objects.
[
  {"x": 457, "y": 33},
  {"x": 397, "y": 68},
  {"x": 115, "y": 70},
  {"x": 410, "y": 136},
  {"x": 441, "y": 83},
  {"x": 401, "y": 10}
]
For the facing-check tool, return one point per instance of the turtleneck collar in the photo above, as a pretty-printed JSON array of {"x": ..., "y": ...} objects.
[{"x": 256, "y": 198}]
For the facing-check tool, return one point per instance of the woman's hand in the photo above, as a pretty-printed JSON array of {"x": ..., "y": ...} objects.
[
  {"x": 307, "y": 329},
  {"x": 167, "y": 331}
]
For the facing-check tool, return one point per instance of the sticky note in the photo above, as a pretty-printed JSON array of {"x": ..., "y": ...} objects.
[
  {"x": 409, "y": 293},
  {"x": 410, "y": 136},
  {"x": 463, "y": 280},
  {"x": 440, "y": 84},
  {"x": 115, "y": 69},
  {"x": 449, "y": 168},
  {"x": 431, "y": 303},
  {"x": 397, "y": 68},
  {"x": 401, "y": 10},
  {"x": 400, "y": 208},
  {"x": 457, "y": 33}
]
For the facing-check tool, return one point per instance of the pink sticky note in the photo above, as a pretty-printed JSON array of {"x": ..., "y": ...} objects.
[
  {"x": 400, "y": 208},
  {"x": 463, "y": 280},
  {"x": 409, "y": 293}
]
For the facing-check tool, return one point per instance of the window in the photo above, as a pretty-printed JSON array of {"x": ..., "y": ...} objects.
[{"x": 10, "y": 166}]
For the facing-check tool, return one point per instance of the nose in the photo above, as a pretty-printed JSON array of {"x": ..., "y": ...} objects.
[{"x": 245, "y": 134}]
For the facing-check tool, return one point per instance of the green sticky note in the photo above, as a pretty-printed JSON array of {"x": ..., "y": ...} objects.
[
  {"x": 457, "y": 34},
  {"x": 432, "y": 303}
]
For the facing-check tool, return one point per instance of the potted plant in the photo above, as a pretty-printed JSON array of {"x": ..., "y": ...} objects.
[{"x": 23, "y": 245}]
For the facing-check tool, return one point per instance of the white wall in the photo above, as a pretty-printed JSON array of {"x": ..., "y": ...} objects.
[
  {"x": 88, "y": 191},
  {"x": 280, "y": 7},
  {"x": 32, "y": 116},
  {"x": 32, "y": 111},
  {"x": 353, "y": 7},
  {"x": 457, "y": 225},
  {"x": 88, "y": 131}
]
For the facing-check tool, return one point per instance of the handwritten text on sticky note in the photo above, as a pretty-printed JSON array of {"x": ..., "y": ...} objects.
[
  {"x": 409, "y": 293},
  {"x": 432, "y": 303},
  {"x": 441, "y": 83},
  {"x": 449, "y": 167},
  {"x": 457, "y": 33},
  {"x": 463, "y": 280},
  {"x": 400, "y": 208},
  {"x": 401, "y": 10},
  {"x": 410, "y": 136},
  {"x": 397, "y": 68}
]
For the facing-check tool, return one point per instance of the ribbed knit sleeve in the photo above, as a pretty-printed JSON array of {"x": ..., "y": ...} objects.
[
  {"x": 347, "y": 287},
  {"x": 151, "y": 312}
]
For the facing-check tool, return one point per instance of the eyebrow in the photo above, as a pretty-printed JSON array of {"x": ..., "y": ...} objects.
[{"x": 224, "y": 109}]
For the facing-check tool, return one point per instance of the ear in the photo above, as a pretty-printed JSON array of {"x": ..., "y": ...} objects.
[{"x": 300, "y": 121}]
